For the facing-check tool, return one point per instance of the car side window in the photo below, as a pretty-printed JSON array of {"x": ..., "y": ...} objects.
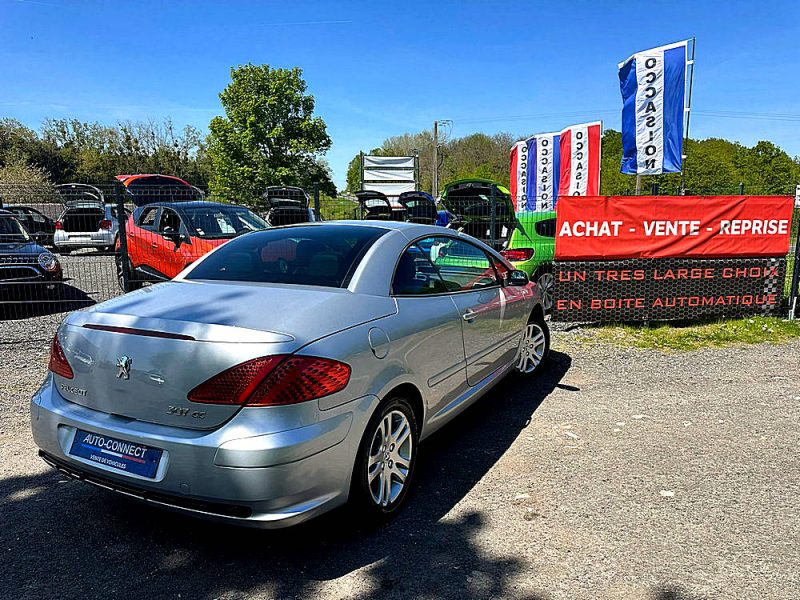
[
  {"x": 36, "y": 216},
  {"x": 147, "y": 219},
  {"x": 415, "y": 275},
  {"x": 462, "y": 265},
  {"x": 546, "y": 228},
  {"x": 170, "y": 221}
]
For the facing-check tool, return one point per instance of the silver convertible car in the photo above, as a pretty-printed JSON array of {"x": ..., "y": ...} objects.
[{"x": 287, "y": 371}]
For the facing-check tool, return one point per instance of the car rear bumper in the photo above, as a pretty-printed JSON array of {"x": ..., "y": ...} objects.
[
  {"x": 232, "y": 474},
  {"x": 63, "y": 239}
]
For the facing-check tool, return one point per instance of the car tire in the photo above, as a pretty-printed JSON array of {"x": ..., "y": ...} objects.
[
  {"x": 384, "y": 468},
  {"x": 546, "y": 281},
  {"x": 534, "y": 347},
  {"x": 133, "y": 283}
]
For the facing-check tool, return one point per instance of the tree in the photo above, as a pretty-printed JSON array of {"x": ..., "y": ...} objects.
[
  {"x": 99, "y": 152},
  {"x": 21, "y": 183},
  {"x": 268, "y": 135},
  {"x": 21, "y": 145}
]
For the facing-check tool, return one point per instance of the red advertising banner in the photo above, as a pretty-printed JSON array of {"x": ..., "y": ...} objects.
[{"x": 616, "y": 227}]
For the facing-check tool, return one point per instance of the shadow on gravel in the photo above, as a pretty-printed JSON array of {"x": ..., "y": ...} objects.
[
  {"x": 68, "y": 539},
  {"x": 68, "y": 299},
  {"x": 674, "y": 593}
]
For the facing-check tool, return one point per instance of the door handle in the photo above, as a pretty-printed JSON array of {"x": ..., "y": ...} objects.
[
  {"x": 154, "y": 245},
  {"x": 469, "y": 316}
]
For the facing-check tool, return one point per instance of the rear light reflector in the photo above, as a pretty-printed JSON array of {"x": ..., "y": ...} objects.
[
  {"x": 301, "y": 378},
  {"x": 105, "y": 224},
  {"x": 59, "y": 225},
  {"x": 58, "y": 360},
  {"x": 274, "y": 381},
  {"x": 517, "y": 254}
]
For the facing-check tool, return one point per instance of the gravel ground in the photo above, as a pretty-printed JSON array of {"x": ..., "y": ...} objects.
[{"x": 621, "y": 473}]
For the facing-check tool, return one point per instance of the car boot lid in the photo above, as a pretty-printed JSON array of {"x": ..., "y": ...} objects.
[
  {"x": 205, "y": 311},
  {"x": 286, "y": 197},
  {"x": 80, "y": 195}
]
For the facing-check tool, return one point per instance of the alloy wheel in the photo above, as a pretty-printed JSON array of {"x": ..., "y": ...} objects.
[
  {"x": 389, "y": 460},
  {"x": 532, "y": 348},
  {"x": 547, "y": 284}
]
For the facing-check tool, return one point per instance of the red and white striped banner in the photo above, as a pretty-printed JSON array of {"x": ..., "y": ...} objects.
[{"x": 580, "y": 160}]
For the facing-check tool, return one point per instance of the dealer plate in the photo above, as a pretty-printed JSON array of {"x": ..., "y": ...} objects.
[{"x": 120, "y": 455}]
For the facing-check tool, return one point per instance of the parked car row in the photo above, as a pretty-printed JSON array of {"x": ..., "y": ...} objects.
[{"x": 172, "y": 225}]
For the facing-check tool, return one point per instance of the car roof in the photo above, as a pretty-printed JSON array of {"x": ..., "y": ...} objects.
[
  {"x": 189, "y": 203},
  {"x": 128, "y": 179},
  {"x": 409, "y": 230}
]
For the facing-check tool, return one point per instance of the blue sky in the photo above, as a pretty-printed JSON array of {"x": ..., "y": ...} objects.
[{"x": 384, "y": 68}]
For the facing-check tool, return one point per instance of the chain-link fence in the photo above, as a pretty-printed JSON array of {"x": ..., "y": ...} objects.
[{"x": 67, "y": 247}]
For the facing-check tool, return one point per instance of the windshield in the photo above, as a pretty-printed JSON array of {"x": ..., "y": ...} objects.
[
  {"x": 223, "y": 222},
  {"x": 312, "y": 255},
  {"x": 12, "y": 231}
]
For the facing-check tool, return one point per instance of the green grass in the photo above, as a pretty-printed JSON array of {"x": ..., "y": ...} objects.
[{"x": 718, "y": 334}]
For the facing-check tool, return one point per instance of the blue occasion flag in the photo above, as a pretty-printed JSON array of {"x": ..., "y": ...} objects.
[
  {"x": 544, "y": 157},
  {"x": 653, "y": 84}
]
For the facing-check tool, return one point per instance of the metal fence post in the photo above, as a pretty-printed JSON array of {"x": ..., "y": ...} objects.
[
  {"x": 122, "y": 257},
  {"x": 741, "y": 188},
  {"x": 654, "y": 189},
  {"x": 493, "y": 216},
  {"x": 794, "y": 292},
  {"x": 316, "y": 201}
]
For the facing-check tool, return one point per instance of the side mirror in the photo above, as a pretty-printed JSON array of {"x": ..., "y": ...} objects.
[{"x": 518, "y": 277}]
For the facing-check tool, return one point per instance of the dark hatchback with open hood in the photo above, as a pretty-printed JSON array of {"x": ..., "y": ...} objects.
[
  {"x": 287, "y": 205},
  {"x": 470, "y": 203}
]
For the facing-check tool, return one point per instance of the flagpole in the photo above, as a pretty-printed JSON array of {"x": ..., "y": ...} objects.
[{"x": 688, "y": 118}]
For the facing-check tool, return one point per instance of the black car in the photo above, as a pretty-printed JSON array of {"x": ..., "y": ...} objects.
[
  {"x": 287, "y": 205},
  {"x": 40, "y": 226},
  {"x": 27, "y": 270}
]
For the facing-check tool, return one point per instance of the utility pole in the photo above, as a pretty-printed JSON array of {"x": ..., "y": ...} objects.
[
  {"x": 435, "y": 170},
  {"x": 688, "y": 112},
  {"x": 435, "y": 174}
]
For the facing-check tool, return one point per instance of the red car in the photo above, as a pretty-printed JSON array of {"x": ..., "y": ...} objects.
[{"x": 163, "y": 238}]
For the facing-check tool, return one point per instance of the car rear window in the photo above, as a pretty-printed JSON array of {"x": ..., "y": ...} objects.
[{"x": 322, "y": 255}]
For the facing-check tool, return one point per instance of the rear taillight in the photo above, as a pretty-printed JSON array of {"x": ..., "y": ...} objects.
[
  {"x": 58, "y": 361},
  {"x": 517, "y": 254},
  {"x": 59, "y": 225},
  {"x": 105, "y": 224},
  {"x": 274, "y": 381}
]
